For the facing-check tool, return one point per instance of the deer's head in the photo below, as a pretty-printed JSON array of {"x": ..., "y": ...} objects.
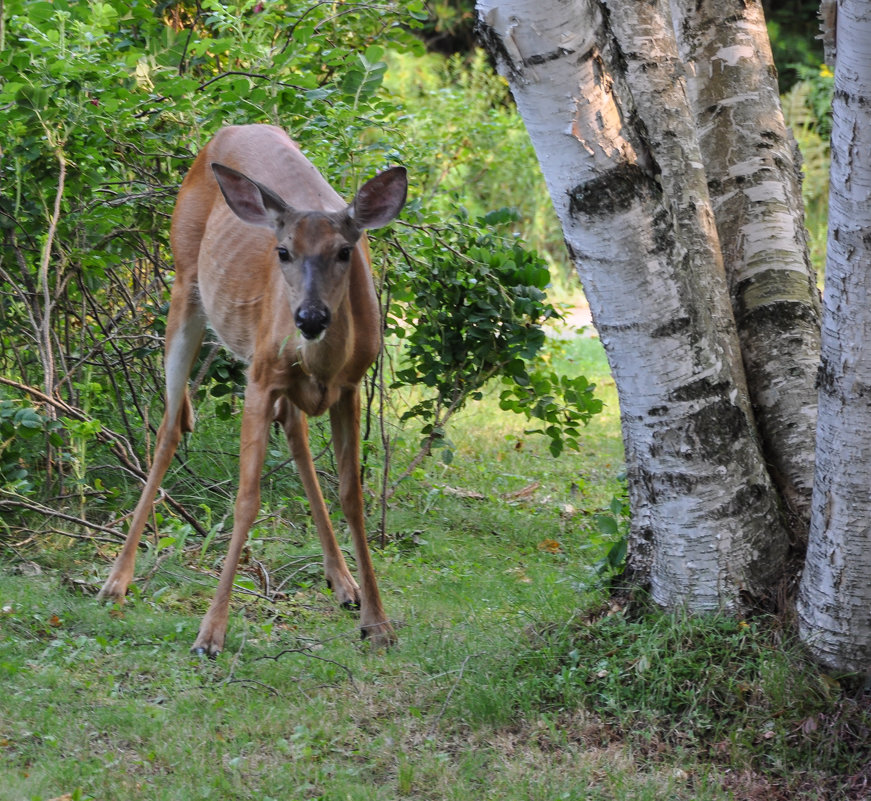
[{"x": 314, "y": 248}]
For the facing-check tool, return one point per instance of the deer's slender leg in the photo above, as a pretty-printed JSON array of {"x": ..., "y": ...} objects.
[
  {"x": 256, "y": 418},
  {"x": 345, "y": 423},
  {"x": 185, "y": 328},
  {"x": 336, "y": 571}
]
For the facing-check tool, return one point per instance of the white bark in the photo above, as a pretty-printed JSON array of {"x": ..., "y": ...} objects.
[
  {"x": 835, "y": 594},
  {"x": 627, "y": 180},
  {"x": 755, "y": 187}
]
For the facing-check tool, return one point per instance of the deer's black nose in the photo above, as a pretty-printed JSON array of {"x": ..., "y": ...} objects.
[{"x": 312, "y": 319}]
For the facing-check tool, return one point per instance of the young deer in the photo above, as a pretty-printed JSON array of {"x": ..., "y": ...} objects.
[{"x": 283, "y": 275}]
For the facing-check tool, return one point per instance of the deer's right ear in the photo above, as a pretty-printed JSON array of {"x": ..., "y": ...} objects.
[{"x": 248, "y": 200}]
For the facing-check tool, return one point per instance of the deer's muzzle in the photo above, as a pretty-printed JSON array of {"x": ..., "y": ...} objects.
[{"x": 312, "y": 318}]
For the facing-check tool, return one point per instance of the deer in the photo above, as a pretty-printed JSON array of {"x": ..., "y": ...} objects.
[{"x": 271, "y": 257}]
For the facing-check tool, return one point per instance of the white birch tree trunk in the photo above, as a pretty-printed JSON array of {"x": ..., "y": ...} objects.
[
  {"x": 626, "y": 177},
  {"x": 834, "y": 604},
  {"x": 754, "y": 179}
]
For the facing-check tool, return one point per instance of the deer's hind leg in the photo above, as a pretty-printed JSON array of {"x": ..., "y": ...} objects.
[
  {"x": 184, "y": 335},
  {"x": 345, "y": 423}
]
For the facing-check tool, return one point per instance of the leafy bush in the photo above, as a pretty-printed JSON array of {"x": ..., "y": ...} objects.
[
  {"x": 20, "y": 430},
  {"x": 471, "y": 306},
  {"x": 105, "y": 105},
  {"x": 470, "y": 148}
]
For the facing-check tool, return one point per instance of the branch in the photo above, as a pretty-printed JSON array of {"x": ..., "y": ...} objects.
[
  {"x": 47, "y": 302},
  {"x": 306, "y": 651},
  {"x": 253, "y": 683},
  {"x": 109, "y": 438},
  {"x": 6, "y": 500},
  {"x": 227, "y": 73},
  {"x": 105, "y": 435},
  {"x": 462, "y": 669},
  {"x": 72, "y": 535}
]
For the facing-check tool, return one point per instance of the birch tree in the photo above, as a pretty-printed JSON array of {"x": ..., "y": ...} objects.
[
  {"x": 754, "y": 179},
  {"x": 835, "y": 594},
  {"x": 658, "y": 129},
  {"x": 604, "y": 98}
]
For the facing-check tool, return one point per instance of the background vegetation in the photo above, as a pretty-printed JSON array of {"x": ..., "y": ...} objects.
[{"x": 518, "y": 674}]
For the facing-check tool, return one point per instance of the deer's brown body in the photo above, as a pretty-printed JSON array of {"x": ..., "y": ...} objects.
[{"x": 277, "y": 262}]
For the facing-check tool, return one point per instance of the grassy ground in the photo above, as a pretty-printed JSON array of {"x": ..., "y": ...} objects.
[{"x": 516, "y": 676}]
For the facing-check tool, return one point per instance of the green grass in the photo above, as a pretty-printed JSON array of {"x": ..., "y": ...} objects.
[{"x": 516, "y": 676}]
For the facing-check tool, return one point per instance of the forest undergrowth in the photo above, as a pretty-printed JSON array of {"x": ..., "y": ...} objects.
[{"x": 518, "y": 674}]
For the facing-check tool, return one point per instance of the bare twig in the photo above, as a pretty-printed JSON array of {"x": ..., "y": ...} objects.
[
  {"x": 207, "y": 363},
  {"x": 237, "y": 655},
  {"x": 158, "y": 563},
  {"x": 462, "y": 669},
  {"x": 7, "y": 500},
  {"x": 265, "y": 582},
  {"x": 72, "y": 535},
  {"x": 254, "y": 683},
  {"x": 306, "y": 650},
  {"x": 295, "y": 573}
]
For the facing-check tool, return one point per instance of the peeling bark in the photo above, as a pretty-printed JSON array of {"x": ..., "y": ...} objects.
[
  {"x": 753, "y": 173},
  {"x": 627, "y": 180},
  {"x": 834, "y": 603}
]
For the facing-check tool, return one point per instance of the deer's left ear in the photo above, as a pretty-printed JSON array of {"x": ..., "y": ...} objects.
[
  {"x": 380, "y": 199},
  {"x": 248, "y": 200}
]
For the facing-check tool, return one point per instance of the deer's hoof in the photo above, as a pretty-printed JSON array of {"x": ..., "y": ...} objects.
[
  {"x": 112, "y": 591},
  {"x": 345, "y": 590},
  {"x": 379, "y": 635},
  {"x": 210, "y": 639}
]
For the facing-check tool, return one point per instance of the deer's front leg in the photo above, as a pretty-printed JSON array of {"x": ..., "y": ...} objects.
[
  {"x": 345, "y": 423},
  {"x": 256, "y": 418},
  {"x": 338, "y": 577}
]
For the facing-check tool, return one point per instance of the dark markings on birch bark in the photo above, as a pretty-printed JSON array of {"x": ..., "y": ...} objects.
[{"x": 614, "y": 192}]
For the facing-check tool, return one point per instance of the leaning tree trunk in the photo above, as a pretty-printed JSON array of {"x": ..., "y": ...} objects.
[
  {"x": 754, "y": 179},
  {"x": 625, "y": 174},
  {"x": 835, "y": 593}
]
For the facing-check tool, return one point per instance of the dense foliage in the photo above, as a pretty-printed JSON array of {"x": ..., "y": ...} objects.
[{"x": 105, "y": 105}]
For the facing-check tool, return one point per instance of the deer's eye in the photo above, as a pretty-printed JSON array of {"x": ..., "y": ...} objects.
[
  {"x": 344, "y": 253},
  {"x": 283, "y": 253}
]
